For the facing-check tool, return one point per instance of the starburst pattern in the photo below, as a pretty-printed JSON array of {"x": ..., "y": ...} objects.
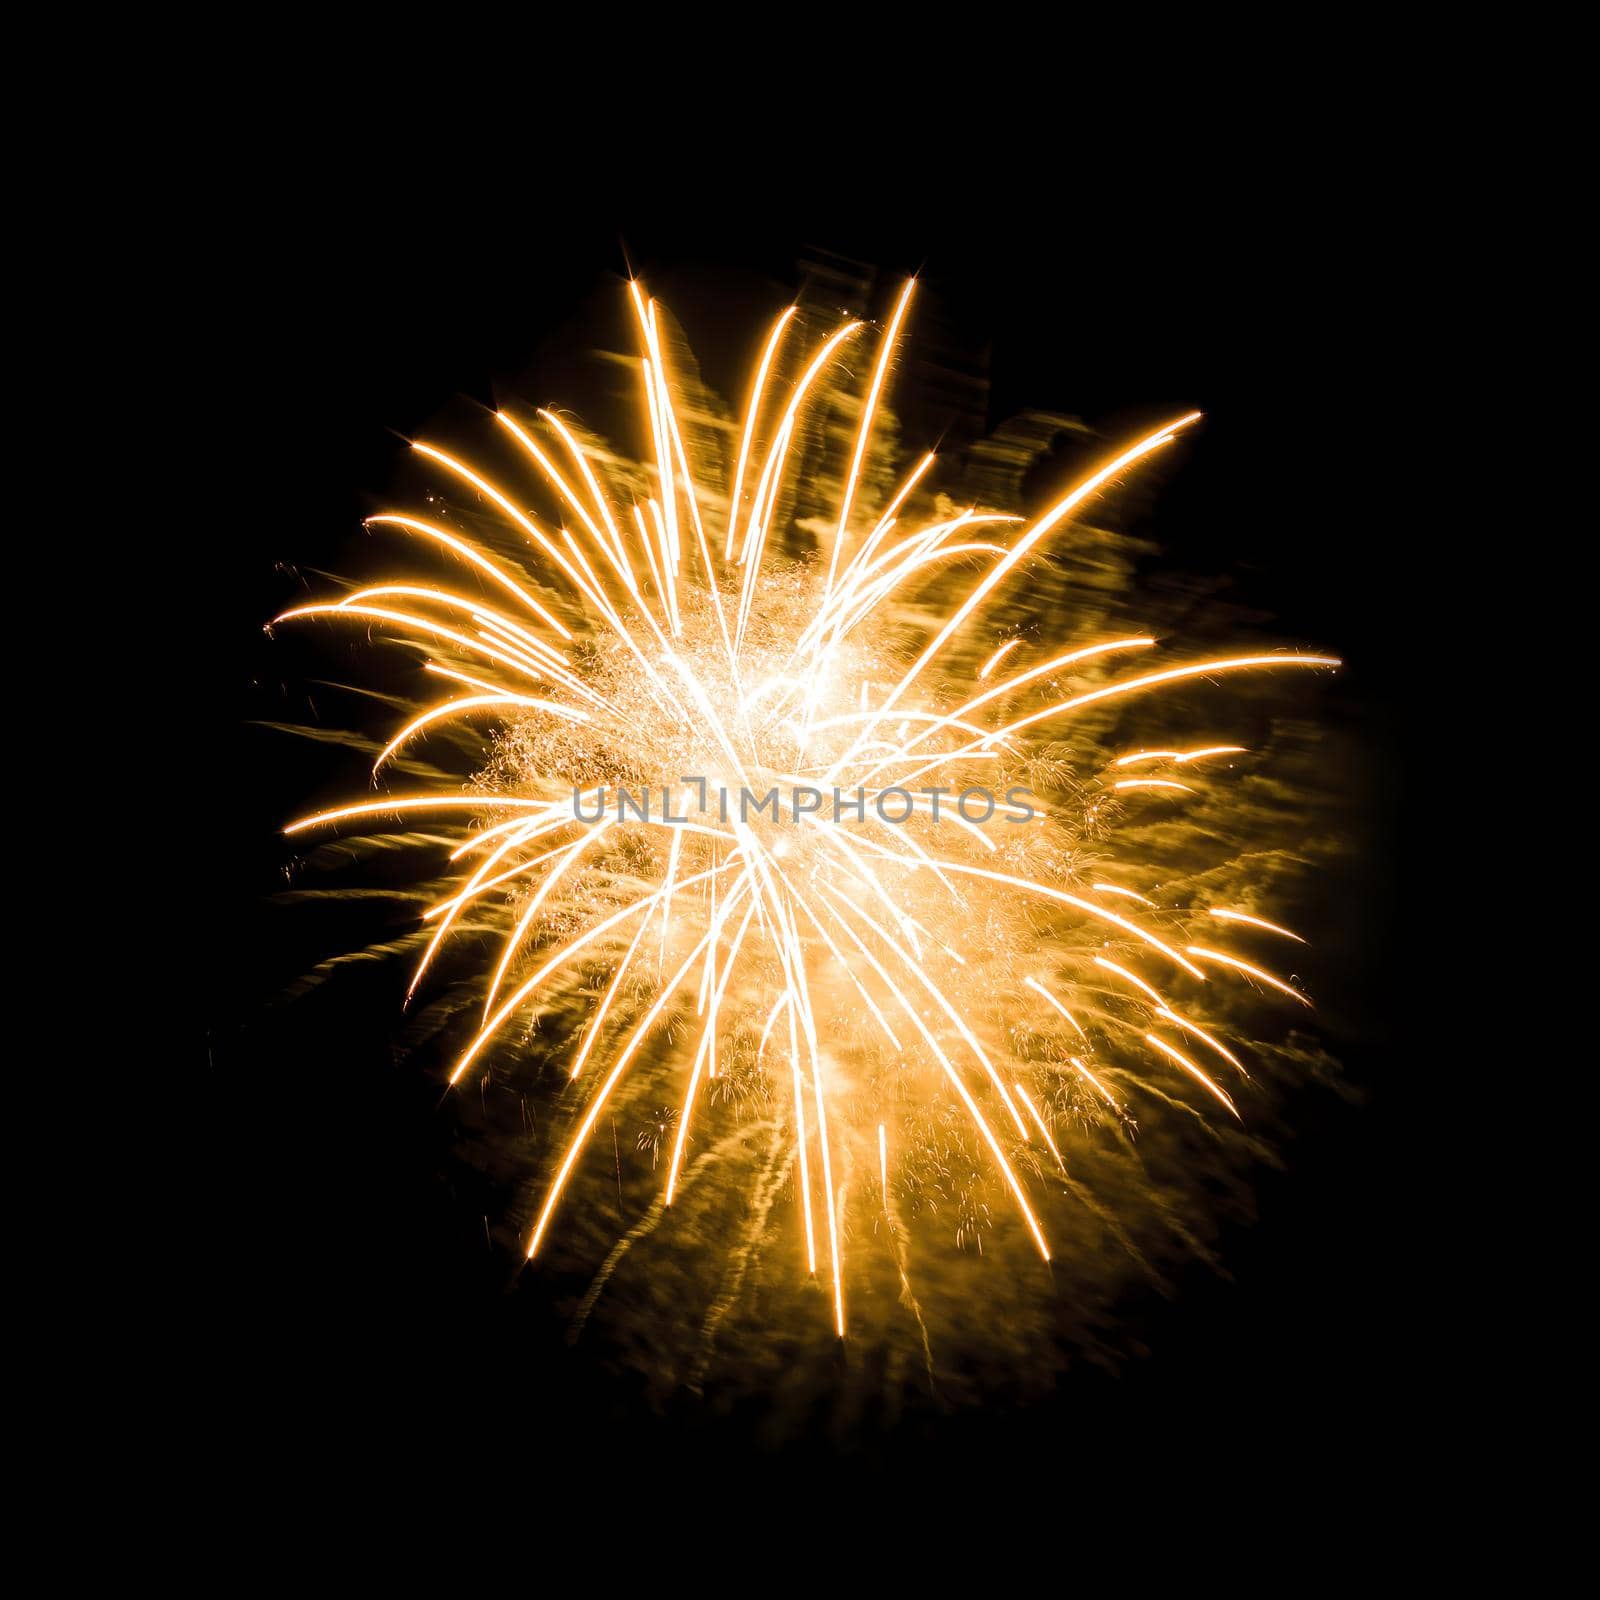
[{"x": 927, "y": 1009}]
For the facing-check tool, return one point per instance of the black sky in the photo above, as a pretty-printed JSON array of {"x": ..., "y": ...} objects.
[{"x": 333, "y": 330}]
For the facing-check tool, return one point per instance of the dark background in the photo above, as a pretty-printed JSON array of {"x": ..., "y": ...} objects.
[{"x": 360, "y": 1315}]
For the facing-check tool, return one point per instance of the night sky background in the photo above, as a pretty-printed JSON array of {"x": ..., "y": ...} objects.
[{"x": 355, "y": 1301}]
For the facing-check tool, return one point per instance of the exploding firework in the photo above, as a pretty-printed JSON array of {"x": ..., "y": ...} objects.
[{"x": 904, "y": 986}]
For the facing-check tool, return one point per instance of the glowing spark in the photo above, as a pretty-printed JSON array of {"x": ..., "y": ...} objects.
[
  {"x": 1058, "y": 513},
  {"x": 1112, "y": 888},
  {"x": 998, "y": 657},
  {"x": 864, "y": 433},
  {"x": 1033, "y": 1112},
  {"x": 417, "y": 802},
  {"x": 1133, "y": 978},
  {"x": 1180, "y": 756},
  {"x": 1254, "y": 972},
  {"x": 1106, "y": 1094},
  {"x": 1202, "y": 1078},
  {"x": 752, "y": 411},
  {"x": 1256, "y": 922},
  {"x": 1039, "y": 988},
  {"x": 1200, "y": 1033}
]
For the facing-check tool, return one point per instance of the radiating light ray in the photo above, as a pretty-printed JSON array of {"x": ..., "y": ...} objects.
[
  {"x": 663, "y": 512},
  {"x": 564, "y": 862},
  {"x": 1039, "y": 989},
  {"x": 1061, "y": 897},
  {"x": 752, "y": 412},
  {"x": 1180, "y": 756},
  {"x": 556, "y": 477},
  {"x": 772, "y": 1018},
  {"x": 562, "y": 956},
  {"x": 1114, "y": 888},
  {"x": 456, "y": 676},
  {"x": 1204, "y": 1079},
  {"x": 1039, "y": 1123},
  {"x": 1138, "y": 983},
  {"x": 1199, "y": 669},
  {"x": 476, "y": 841},
  {"x": 436, "y": 630},
  {"x": 479, "y": 883},
  {"x": 942, "y": 1002},
  {"x": 1256, "y": 922},
  {"x": 707, "y": 1037},
  {"x": 999, "y": 656},
  {"x": 800, "y": 1138},
  {"x": 892, "y": 510},
  {"x": 1009, "y": 686},
  {"x": 468, "y": 553},
  {"x": 608, "y": 1000},
  {"x": 454, "y": 708},
  {"x": 392, "y": 805},
  {"x": 657, "y": 401},
  {"x": 1088, "y": 1077},
  {"x": 1132, "y": 686},
  {"x": 1253, "y": 972},
  {"x": 772, "y": 478},
  {"x": 1206, "y": 1038},
  {"x": 860, "y": 605},
  {"x": 601, "y": 503},
  {"x": 864, "y": 432},
  {"x": 961, "y": 1089},
  {"x": 597, "y": 1104},
  {"x": 1058, "y": 513},
  {"x": 520, "y": 518}
]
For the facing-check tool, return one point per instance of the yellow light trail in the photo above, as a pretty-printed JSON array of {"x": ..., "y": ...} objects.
[
  {"x": 1253, "y": 972},
  {"x": 1204, "y": 1079},
  {"x": 1180, "y": 756},
  {"x": 1130, "y": 977},
  {"x": 998, "y": 657},
  {"x": 1256, "y": 922},
  {"x": 1057, "y": 514},
  {"x": 736, "y": 499},
  {"x": 1113, "y": 888},
  {"x": 1200, "y": 1033},
  {"x": 1109, "y": 1098},
  {"x": 1039, "y": 1123},
  {"x": 864, "y": 433},
  {"x": 1039, "y": 988}
]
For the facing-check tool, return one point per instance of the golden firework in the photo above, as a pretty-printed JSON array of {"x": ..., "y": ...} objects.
[{"x": 845, "y": 956}]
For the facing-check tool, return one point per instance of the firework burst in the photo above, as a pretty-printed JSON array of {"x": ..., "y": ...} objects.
[{"x": 926, "y": 1006}]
